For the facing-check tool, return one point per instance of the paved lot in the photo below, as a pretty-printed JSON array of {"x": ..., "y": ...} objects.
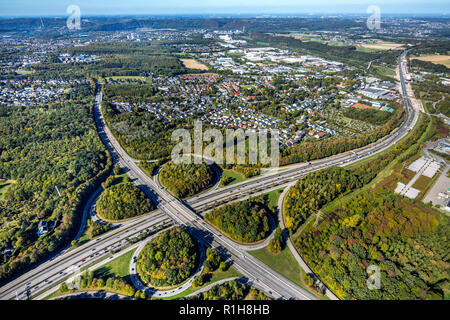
[
  {"x": 423, "y": 166},
  {"x": 431, "y": 170},
  {"x": 416, "y": 165},
  {"x": 441, "y": 186}
]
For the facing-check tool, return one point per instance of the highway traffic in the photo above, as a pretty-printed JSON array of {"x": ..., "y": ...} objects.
[{"x": 186, "y": 213}]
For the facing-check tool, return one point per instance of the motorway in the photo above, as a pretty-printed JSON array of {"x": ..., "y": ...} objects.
[
  {"x": 63, "y": 264},
  {"x": 184, "y": 213},
  {"x": 257, "y": 272},
  {"x": 291, "y": 173}
]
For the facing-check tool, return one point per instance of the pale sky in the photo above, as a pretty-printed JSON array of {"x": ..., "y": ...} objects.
[{"x": 177, "y": 7}]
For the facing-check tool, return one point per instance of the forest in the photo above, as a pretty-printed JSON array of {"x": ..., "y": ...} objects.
[
  {"x": 44, "y": 148},
  {"x": 313, "y": 191},
  {"x": 212, "y": 263},
  {"x": 376, "y": 117},
  {"x": 277, "y": 243},
  {"x": 122, "y": 201},
  {"x": 185, "y": 180},
  {"x": 245, "y": 221},
  {"x": 129, "y": 92},
  {"x": 141, "y": 133},
  {"x": 248, "y": 171},
  {"x": 428, "y": 66},
  {"x": 404, "y": 238},
  {"x": 169, "y": 259},
  {"x": 113, "y": 284},
  {"x": 231, "y": 290},
  {"x": 97, "y": 228},
  {"x": 318, "y": 188},
  {"x": 372, "y": 227},
  {"x": 121, "y": 59},
  {"x": 150, "y": 167}
]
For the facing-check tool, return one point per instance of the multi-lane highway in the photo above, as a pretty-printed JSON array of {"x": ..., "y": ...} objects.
[
  {"x": 57, "y": 268},
  {"x": 291, "y": 173},
  {"x": 185, "y": 213},
  {"x": 204, "y": 233}
]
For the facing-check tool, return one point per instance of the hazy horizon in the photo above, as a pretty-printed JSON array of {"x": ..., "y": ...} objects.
[{"x": 52, "y": 8}]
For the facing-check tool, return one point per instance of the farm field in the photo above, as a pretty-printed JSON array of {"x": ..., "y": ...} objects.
[
  {"x": 382, "y": 45},
  {"x": 436, "y": 58},
  {"x": 194, "y": 64}
]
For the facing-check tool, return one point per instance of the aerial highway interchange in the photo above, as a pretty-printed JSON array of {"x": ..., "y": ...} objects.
[{"x": 188, "y": 213}]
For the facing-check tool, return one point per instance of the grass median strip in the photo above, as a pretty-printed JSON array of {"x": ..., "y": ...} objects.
[{"x": 285, "y": 264}]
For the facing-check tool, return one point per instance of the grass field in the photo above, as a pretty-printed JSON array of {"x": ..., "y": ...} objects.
[
  {"x": 314, "y": 38},
  {"x": 235, "y": 176},
  {"x": 382, "y": 45},
  {"x": 24, "y": 72},
  {"x": 284, "y": 263},
  {"x": 424, "y": 184},
  {"x": 384, "y": 71},
  {"x": 436, "y": 59},
  {"x": 4, "y": 186},
  {"x": 118, "y": 78},
  {"x": 116, "y": 267},
  {"x": 300, "y": 36},
  {"x": 120, "y": 178},
  {"x": 272, "y": 198},
  {"x": 421, "y": 183},
  {"x": 368, "y": 50}
]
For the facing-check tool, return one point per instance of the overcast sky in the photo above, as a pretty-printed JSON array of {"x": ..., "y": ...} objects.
[{"x": 165, "y": 7}]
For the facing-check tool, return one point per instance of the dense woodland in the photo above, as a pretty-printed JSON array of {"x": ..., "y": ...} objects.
[
  {"x": 376, "y": 117},
  {"x": 150, "y": 167},
  {"x": 232, "y": 290},
  {"x": 185, "y": 180},
  {"x": 318, "y": 188},
  {"x": 212, "y": 263},
  {"x": 312, "y": 192},
  {"x": 121, "y": 59},
  {"x": 405, "y": 239},
  {"x": 97, "y": 228},
  {"x": 371, "y": 227},
  {"x": 428, "y": 66},
  {"x": 245, "y": 221},
  {"x": 141, "y": 133},
  {"x": 277, "y": 243},
  {"x": 122, "y": 201},
  {"x": 129, "y": 92},
  {"x": 43, "y": 148},
  {"x": 169, "y": 259},
  {"x": 114, "y": 284},
  {"x": 248, "y": 171}
]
